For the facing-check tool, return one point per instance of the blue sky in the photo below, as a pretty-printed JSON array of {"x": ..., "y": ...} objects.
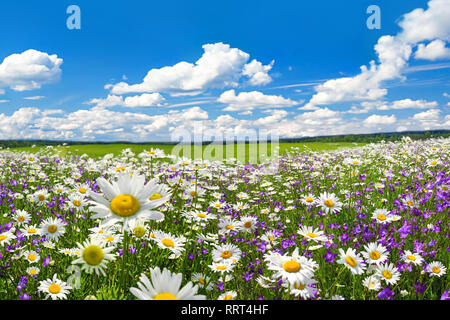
[{"x": 142, "y": 71}]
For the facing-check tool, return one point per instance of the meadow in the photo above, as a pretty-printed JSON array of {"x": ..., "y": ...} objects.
[{"x": 313, "y": 221}]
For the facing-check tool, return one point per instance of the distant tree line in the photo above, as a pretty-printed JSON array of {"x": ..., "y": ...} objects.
[{"x": 358, "y": 138}]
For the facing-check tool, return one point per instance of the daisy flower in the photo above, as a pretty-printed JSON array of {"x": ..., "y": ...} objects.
[
  {"x": 228, "y": 225},
  {"x": 226, "y": 252},
  {"x": 125, "y": 200},
  {"x": 381, "y": 216},
  {"x": 229, "y": 295},
  {"x": 6, "y": 238},
  {"x": 165, "y": 240},
  {"x": 41, "y": 196},
  {"x": 413, "y": 258},
  {"x": 52, "y": 228},
  {"x": 248, "y": 223},
  {"x": 312, "y": 234},
  {"x": 329, "y": 202},
  {"x": 352, "y": 261},
  {"x": 308, "y": 200},
  {"x": 372, "y": 283},
  {"x": 303, "y": 289},
  {"x": 77, "y": 201},
  {"x": 164, "y": 285},
  {"x": 54, "y": 288},
  {"x": 22, "y": 217},
  {"x": 222, "y": 267},
  {"x": 203, "y": 280},
  {"x": 293, "y": 268},
  {"x": 31, "y": 256},
  {"x": 374, "y": 253},
  {"x": 94, "y": 256},
  {"x": 387, "y": 272},
  {"x": 32, "y": 271},
  {"x": 29, "y": 231},
  {"x": 436, "y": 269}
]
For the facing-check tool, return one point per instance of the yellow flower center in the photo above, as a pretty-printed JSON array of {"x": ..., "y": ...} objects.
[
  {"x": 201, "y": 215},
  {"x": 381, "y": 217},
  {"x": 221, "y": 267},
  {"x": 311, "y": 235},
  {"x": 31, "y": 257},
  {"x": 109, "y": 239},
  {"x": 82, "y": 190},
  {"x": 21, "y": 219},
  {"x": 201, "y": 280},
  {"x": 125, "y": 205},
  {"x": 52, "y": 228},
  {"x": 410, "y": 203},
  {"x": 228, "y": 297},
  {"x": 436, "y": 269},
  {"x": 226, "y": 254},
  {"x": 120, "y": 169},
  {"x": 33, "y": 271},
  {"x": 76, "y": 203},
  {"x": 2, "y": 237},
  {"x": 93, "y": 255},
  {"x": 193, "y": 194},
  {"x": 309, "y": 200},
  {"x": 167, "y": 242},
  {"x": 375, "y": 255},
  {"x": 139, "y": 232},
  {"x": 230, "y": 226},
  {"x": 271, "y": 239},
  {"x": 351, "y": 261},
  {"x": 291, "y": 266},
  {"x": 54, "y": 288},
  {"x": 433, "y": 162},
  {"x": 31, "y": 158},
  {"x": 248, "y": 224},
  {"x": 41, "y": 197},
  {"x": 387, "y": 274},
  {"x": 411, "y": 257},
  {"x": 166, "y": 296},
  {"x": 355, "y": 162},
  {"x": 329, "y": 203},
  {"x": 31, "y": 230}
]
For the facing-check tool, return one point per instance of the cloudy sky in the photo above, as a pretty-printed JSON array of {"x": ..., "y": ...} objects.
[{"x": 152, "y": 71}]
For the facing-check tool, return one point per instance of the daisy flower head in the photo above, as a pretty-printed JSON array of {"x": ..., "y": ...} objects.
[
  {"x": 164, "y": 285},
  {"x": 388, "y": 273},
  {"x": 229, "y": 295},
  {"x": 52, "y": 228},
  {"x": 166, "y": 240},
  {"x": 30, "y": 230},
  {"x": 32, "y": 271},
  {"x": 77, "y": 201},
  {"x": 31, "y": 256},
  {"x": 22, "y": 217},
  {"x": 222, "y": 266},
  {"x": 226, "y": 252},
  {"x": 372, "y": 283},
  {"x": 374, "y": 253},
  {"x": 329, "y": 202},
  {"x": 125, "y": 200},
  {"x": 41, "y": 196},
  {"x": 352, "y": 260},
  {"x": 94, "y": 256},
  {"x": 309, "y": 233},
  {"x": 303, "y": 289},
  {"x": 412, "y": 258},
  {"x": 228, "y": 225},
  {"x": 54, "y": 288},
  {"x": 381, "y": 216},
  {"x": 6, "y": 238},
  {"x": 248, "y": 223},
  {"x": 308, "y": 200},
  {"x": 436, "y": 269},
  {"x": 292, "y": 268}
]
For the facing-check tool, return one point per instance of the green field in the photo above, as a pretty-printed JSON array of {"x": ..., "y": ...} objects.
[{"x": 236, "y": 150}]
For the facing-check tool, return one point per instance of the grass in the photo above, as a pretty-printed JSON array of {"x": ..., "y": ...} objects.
[{"x": 240, "y": 150}]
